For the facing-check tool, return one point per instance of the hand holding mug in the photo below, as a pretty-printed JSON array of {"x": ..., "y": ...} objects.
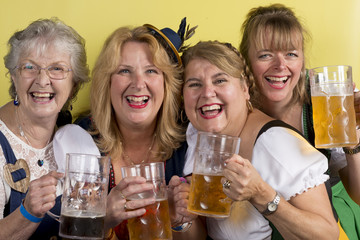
[
  {"x": 119, "y": 209},
  {"x": 155, "y": 223},
  {"x": 244, "y": 180},
  {"x": 42, "y": 194},
  {"x": 357, "y": 108},
  {"x": 178, "y": 192}
]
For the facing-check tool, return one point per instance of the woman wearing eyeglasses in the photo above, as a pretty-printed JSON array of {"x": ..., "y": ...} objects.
[{"x": 46, "y": 63}]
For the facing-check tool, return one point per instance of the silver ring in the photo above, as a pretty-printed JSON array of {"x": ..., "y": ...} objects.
[
  {"x": 125, "y": 207},
  {"x": 227, "y": 184}
]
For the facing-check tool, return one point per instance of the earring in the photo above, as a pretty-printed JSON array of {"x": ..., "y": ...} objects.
[
  {"x": 16, "y": 100},
  {"x": 249, "y": 106}
]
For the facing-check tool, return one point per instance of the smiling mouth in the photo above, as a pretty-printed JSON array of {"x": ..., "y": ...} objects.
[
  {"x": 212, "y": 110},
  {"x": 42, "y": 96},
  {"x": 277, "y": 80},
  {"x": 137, "y": 100}
]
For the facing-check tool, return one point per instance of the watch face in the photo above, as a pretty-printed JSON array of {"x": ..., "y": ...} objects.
[{"x": 272, "y": 207}]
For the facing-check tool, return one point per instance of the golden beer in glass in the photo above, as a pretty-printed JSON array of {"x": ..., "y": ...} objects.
[
  {"x": 334, "y": 120},
  {"x": 154, "y": 224},
  {"x": 333, "y": 107},
  {"x": 206, "y": 195}
]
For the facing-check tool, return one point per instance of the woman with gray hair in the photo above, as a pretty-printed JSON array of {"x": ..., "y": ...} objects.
[{"x": 28, "y": 177}]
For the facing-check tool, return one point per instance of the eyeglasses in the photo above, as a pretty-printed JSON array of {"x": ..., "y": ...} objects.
[{"x": 55, "y": 72}]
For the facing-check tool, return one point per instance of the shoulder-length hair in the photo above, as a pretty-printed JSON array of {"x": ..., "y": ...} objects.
[
  {"x": 169, "y": 133},
  {"x": 278, "y": 23}
]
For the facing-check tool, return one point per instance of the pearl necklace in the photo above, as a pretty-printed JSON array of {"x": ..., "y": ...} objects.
[
  {"x": 125, "y": 156},
  {"x": 40, "y": 161}
]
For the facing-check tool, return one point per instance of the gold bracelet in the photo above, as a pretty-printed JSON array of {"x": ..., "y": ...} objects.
[{"x": 111, "y": 235}]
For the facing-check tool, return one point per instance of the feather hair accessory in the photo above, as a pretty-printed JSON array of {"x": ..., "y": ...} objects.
[
  {"x": 173, "y": 41},
  {"x": 185, "y": 35}
]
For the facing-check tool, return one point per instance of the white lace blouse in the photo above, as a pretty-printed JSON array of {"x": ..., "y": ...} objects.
[
  {"x": 30, "y": 155},
  {"x": 286, "y": 161}
]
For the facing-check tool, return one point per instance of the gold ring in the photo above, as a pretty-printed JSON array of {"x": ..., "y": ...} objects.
[
  {"x": 122, "y": 195},
  {"x": 227, "y": 184}
]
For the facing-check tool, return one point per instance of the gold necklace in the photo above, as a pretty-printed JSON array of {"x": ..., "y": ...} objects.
[
  {"x": 40, "y": 161},
  {"x": 125, "y": 156}
]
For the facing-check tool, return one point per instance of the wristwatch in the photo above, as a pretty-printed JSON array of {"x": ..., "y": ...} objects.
[{"x": 272, "y": 206}]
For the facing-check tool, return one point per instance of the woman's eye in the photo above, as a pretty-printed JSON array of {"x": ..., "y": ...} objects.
[
  {"x": 193, "y": 84},
  {"x": 220, "y": 81},
  {"x": 292, "y": 54},
  {"x": 57, "y": 68},
  {"x": 151, "y": 71},
  {"x": 122, "y": 71},
  {"x": 28, "y": 66},
  {"x": 262, "y": 56}
]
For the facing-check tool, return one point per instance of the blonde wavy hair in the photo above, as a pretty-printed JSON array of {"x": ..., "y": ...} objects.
[
  {"x": 278, "y": 23},
  {"x": 169, "y": 133}
]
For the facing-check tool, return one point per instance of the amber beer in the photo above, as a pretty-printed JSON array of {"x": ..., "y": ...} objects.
[
  {"x": 334, "y": 121},
  {"x": 154, "y": 224},
  {"x": 207, "y": 197}
]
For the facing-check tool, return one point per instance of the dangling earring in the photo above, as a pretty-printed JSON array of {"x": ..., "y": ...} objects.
[
  {"x": 16, "y": 100},
  {"x": 71, "y": 107},
  {"x": 249, "y": 106}
]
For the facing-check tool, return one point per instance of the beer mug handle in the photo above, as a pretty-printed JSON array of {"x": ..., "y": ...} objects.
[{"x": 52, "y": 215}]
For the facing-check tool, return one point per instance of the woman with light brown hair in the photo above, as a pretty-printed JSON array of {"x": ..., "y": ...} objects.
[
  {"x": 277, "y": 176},
  {"x": 273, "y": 45}
]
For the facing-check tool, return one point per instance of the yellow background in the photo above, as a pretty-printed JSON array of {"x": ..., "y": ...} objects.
[{"x": 334, "y": 25}]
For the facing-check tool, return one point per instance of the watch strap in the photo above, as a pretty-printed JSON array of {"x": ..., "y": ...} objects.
[{"x": 352, "y": 151}]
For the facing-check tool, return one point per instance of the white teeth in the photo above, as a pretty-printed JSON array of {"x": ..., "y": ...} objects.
[
  {"x": 42, "y": 95},
  {"x": 277, "y": 79},
  {"x": 210, "y": 108},
  {"x": 137, "y": 99}
]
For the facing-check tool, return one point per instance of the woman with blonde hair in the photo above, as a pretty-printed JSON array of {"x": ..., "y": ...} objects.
[{"x": 135, "y": 105}]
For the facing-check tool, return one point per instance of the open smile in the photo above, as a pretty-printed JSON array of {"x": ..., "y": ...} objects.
[
  {"x": 277, "y": 82},
  {"x": 137, "y": 101},
  {"x": 42, "y": 96},
  {"x": 210, "y": 111}
]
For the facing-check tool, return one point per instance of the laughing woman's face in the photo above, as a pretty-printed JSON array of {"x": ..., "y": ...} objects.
[
  {"x": 214, "y": 100},
  {"x": 40, "y": 95}
]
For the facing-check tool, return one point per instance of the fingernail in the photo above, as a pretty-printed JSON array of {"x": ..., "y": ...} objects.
[{"x": 183, "y": 180}]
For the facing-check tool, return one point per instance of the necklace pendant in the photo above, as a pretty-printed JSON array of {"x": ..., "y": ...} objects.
[{"x": 40, "y": 162}]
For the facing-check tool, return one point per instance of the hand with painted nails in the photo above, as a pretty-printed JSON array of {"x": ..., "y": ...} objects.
[
  {"x": 120, "y": 207},
  {"x": 178, "y": 195}
]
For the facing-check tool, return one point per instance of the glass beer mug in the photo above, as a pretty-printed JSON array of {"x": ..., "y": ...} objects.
[
  {"x": 333, "y": 106},
  {"x": 83, "y": 203},
  {"x": 206, "y": 191},
  {"x": 155, "y": 223}
]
